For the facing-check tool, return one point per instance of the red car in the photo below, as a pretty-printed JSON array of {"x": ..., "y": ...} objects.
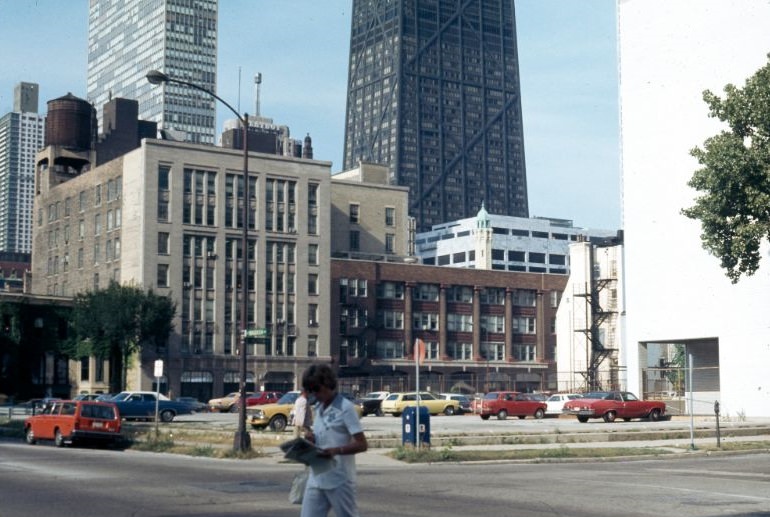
[
  {"x": 75, "y": 421},
  {"x": 262, "y": 397},
  {"x": 505, "y": 403},
  {"x": 610, "y": 405}
]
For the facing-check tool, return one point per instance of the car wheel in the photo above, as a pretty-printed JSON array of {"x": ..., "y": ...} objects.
[
  {"x": 539, "y": 413},
  {"x": 655, "y": 415},
  {"x": 233, "y": 409},
  {"x": 58, "y": 439},
  {"x": 485, "y": 417},
  {"x": 502, "y": 415},
  {"x": 166, "y": 415},
  {"x": 449, "y": 410},
  {"x": 609, "y": 416},
  {"x": 582, "y": 419},
  {"x": 278, "y": 423},
  {"x": 30, "y": 436}
]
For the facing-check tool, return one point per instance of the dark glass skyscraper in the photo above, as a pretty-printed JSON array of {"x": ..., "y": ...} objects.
[{"x": 433, "y": 92}]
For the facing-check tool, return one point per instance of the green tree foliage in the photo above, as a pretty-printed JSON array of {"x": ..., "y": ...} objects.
[
  {"x": 118, "y": 321},
  {"x": 734, "y": 181}
]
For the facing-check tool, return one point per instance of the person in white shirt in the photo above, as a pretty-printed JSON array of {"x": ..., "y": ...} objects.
[
  {"x": 338, "y": 433},
  {"x": 302, "y": 415}
]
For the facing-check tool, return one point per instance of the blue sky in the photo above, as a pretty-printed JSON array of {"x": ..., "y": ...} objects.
[{"x": 568, "y": 68}]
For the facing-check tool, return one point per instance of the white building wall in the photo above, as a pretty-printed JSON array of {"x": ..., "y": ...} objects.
[{"x": 669, "y": 53}]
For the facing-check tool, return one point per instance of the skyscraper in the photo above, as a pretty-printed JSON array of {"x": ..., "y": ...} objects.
[
  {"x": 433, "y": 92},
  {"x": 128, "y": 38},
  {"x": 21, "y": 136}
]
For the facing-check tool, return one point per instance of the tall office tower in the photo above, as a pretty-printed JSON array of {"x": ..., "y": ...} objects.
[
  {"x": 21, "y": 136},
  {"x": 433, "y": 92},
  {"x": 128, "y": 38}
]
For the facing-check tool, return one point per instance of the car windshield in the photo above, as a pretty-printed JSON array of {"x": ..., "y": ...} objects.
[
  {"x": 289, "y": 398},
  {"x": 123, "y": 395},
  {"x": 372, "y": 396},
  {"x": 491, "y": 396}
]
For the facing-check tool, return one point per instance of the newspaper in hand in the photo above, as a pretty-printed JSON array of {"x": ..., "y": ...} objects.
[{"x": 303, "y": 451}]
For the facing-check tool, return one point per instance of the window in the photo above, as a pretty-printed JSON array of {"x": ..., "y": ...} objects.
[
  {"x": 390, "y": 319},
  {"x": 492, "y": 351},
  {"x": 523, "y": 325},
  {"x": 524, "y": 297},
  {"x": 312, "y": 346},
  {"x": 97, "y": 224},
  {"x": 390, "y": 349},
  {"x": 426, "y": 292},
  {"x": 390, "y": 216},
  {"x": 460, "y": 293},
  {"x": 516, "y": 256},
  {"x": 312, "y": 284},
  {"x": 354, "y": 213},
  {"x": 312, "y": 254},
  {"x": 524, "y": 353},
  {"x": 459, "y": 322},
  {"x": 390, "y": 242},
  {"x": 460, "y": 351},
  {"x": 162, "y": 275},
  {"x": 163, "y": 243},
  {"x": 425, "y": 321},
  {"x": 312, "y": 314},
  {"x": 354, "y": 241},
  {"x": 390, "y": 290}
]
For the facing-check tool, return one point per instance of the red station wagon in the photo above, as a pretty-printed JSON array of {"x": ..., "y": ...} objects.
[
  {"x": 503, "y": 404},
  {"x": 75, "y": 421}
]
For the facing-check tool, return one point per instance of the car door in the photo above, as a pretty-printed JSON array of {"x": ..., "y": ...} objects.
[
  {"x": 433, "y": 404},
  {"x": 43, "y": 424},
  {"x": 633, "y": 407}
]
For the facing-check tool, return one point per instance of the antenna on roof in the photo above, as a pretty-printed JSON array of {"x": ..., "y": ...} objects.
[{"x": 257, "y": 83}]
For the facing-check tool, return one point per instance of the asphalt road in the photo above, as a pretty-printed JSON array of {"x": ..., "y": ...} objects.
[{"x": 44, "y": 480}]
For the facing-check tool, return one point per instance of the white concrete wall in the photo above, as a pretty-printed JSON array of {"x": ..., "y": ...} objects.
[{"x": 670, "y": 51}]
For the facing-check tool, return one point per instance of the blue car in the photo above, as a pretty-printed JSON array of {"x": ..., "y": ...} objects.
[{"x": 141, "y": 405}]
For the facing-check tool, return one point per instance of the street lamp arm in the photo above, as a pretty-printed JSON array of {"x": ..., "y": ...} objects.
[{"x": 158, "y": 77}]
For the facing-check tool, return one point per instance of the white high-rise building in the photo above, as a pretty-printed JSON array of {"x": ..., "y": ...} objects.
[
  {"x": 21, "y": 136},
  {"x": 676, "y": 295},
  {"x": 128, "y": 38}
]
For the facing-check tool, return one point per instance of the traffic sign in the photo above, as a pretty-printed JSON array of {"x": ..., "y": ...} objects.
[{"x": 260, "y": 332}]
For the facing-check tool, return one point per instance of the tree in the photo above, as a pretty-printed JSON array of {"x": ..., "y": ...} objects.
[
  {"x": 116, "y": 322},
  {"x": 734, "y": 181}
]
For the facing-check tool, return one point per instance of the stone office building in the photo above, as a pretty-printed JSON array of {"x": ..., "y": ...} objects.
[{"x": 168, "y": 216}]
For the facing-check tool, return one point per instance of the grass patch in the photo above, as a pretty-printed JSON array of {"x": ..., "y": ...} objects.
[
  {"x": 732, "y": 446},
  {"x": 411, "y": 455},
  {"x": 183, "y": 443}
]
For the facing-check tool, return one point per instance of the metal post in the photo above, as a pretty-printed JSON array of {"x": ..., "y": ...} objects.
[
  {"x": 692, "y": 410},
  {"x": 242, "y": 440}
]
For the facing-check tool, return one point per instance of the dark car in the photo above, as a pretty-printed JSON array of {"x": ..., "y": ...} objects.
[
  {"x": 141, "y": 405},
  {"x": 197, "y": 405},
  {"x": 371, "y": 402}
]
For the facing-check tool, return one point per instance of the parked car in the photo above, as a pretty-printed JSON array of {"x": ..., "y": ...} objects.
[
  {"x": 262, "y": 397},
  {"x": 395, "y": 403},
  {"x": 555, "y": 402},
  {"x": 197, "y": 405},
  {"x": 370, "y": 403},
  {"x": 276, "y": 415},
  {"x": 508, "y": 403},
  {"x": 228, "y": 403},
  {"x": 610, "y": 405},
  {"x": 141, "y": 405},
  {"x": 463, "y": 400},
  {"x": 75, "y": 421}
]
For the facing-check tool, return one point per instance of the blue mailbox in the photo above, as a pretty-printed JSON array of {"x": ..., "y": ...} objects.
[{"x": 409, "y": 431}]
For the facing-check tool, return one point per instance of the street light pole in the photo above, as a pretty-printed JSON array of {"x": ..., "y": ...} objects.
[{"x": 242, "y": 439}]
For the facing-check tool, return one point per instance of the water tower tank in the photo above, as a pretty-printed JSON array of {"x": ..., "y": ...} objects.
[{"x": 70, "y": 123}]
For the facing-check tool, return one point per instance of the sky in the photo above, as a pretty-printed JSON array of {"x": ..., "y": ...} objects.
[{"x": 567, "y": 64}]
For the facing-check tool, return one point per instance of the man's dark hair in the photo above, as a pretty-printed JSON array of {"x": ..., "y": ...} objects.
[{"x": 319, "y": 375}]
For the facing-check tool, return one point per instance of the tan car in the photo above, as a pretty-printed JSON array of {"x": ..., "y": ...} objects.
[
  {"x": 396, "y": 402},
  {"x": 275, "y": 416},
  {"x": 228, "y": 403}
]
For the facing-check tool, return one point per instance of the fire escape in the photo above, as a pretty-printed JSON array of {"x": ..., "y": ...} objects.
[{"x": 595, "y": 317}]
